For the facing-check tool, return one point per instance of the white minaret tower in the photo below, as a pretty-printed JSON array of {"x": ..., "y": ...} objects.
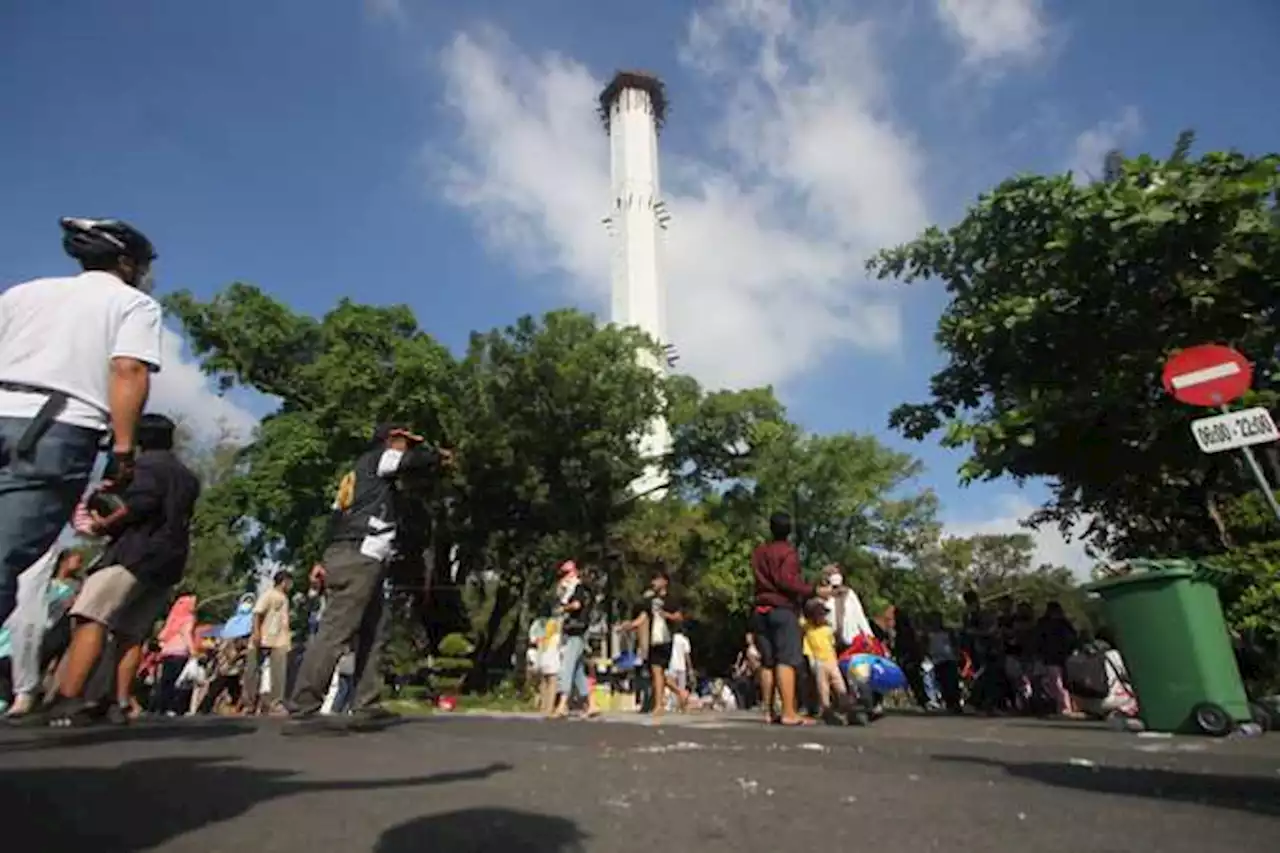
[{"x": 633, "y": 107}]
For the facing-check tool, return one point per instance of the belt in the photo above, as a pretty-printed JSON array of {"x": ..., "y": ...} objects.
[{"x": 53, "y": 405}]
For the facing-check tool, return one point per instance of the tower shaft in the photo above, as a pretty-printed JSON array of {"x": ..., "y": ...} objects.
[{"x": 633, "y": 107}]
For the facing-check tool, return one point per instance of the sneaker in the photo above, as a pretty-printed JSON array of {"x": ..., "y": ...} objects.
[{"x": 117, "y": 715}]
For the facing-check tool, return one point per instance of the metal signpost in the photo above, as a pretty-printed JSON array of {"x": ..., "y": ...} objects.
[{"x": 1212, "y": 376}]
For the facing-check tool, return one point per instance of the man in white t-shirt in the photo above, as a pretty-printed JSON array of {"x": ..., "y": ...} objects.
[{"x": 76, "y": 358}]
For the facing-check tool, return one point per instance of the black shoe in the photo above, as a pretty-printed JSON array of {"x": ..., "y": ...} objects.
[
  {"x": 371, "y": 718},
  {"x": 117, "y": 715},
  {"x": 375, "y": 714},
  {"x": 309, "y": 722},
  {"x": 63, "y": 713}
]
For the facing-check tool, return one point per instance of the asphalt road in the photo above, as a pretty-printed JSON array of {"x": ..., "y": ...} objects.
[{"x": 464, "y": 784}]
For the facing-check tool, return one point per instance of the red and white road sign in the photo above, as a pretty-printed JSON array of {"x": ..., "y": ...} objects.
[{"x": 1208, "y": 375}]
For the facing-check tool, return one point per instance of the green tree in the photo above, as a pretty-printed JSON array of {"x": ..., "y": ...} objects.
[
  {"x": 215, "y": 571},
  {"x": 1066, "y": 299},
  {"x": 543, "y": 416},
  {"x": 335, "y": 378}
]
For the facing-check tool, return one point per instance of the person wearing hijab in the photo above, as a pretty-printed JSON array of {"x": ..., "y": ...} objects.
[
  {"x": 44, "y": 593},
  {"x": 845, "y": 613}
]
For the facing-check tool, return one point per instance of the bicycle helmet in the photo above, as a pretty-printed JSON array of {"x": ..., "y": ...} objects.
[{"x": 96, "y": 239}]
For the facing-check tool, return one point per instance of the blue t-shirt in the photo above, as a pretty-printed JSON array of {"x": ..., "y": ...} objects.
[{"x": 57, "y": 599}]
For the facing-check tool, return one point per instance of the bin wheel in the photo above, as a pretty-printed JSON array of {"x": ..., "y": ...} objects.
[
  {"x": 1260, "y": 716},
  {"x": 1212, "y": 719}
]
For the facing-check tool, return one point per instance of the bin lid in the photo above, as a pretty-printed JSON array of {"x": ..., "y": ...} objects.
[
  {"x": 1148, "y": 571},
  {"x": 1137, "y": 578}
]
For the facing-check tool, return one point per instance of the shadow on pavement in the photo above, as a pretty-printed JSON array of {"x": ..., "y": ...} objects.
[
  {"x": 484, "y": 831},
  {"x": 59, "y": 739},
  {"x": 142, "y": 804},
  {"x": 1064, "y": 725},
  {"x": 1254, "y": 794}
]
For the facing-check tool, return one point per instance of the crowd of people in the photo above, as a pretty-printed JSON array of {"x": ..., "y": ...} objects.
[
  {"x": 77, "y": 354},
  {"x": 799, "y": 645},
  {"x": 76, "y": 358}
]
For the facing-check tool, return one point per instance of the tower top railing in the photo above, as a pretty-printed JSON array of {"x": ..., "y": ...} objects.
[{"x": 642, "y": 81}]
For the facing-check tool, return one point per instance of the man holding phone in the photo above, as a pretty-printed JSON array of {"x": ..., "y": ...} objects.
[
  {"x": 149, "y": 525},
  {"x": 363, "y": 533}
]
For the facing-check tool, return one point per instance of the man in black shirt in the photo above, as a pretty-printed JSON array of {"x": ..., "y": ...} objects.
[
  {"x": 660, "y": 616},
  {"x": 362, "y": 541},
  {"x": 150, "y": 532}
]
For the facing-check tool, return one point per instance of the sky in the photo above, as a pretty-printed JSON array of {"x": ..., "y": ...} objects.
[{"x": 448, "y": 156}]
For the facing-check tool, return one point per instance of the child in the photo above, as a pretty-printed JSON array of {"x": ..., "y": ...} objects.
[
  {"x": 941, "y": 645},
  {"x": 820, "y": 644},
  {"x": 549, "y": 666}
]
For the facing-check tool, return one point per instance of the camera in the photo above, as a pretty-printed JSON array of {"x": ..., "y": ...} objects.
[{"x": 104, "y": 504}]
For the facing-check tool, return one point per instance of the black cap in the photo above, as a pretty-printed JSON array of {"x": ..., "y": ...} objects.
[{"x": 383, "y": 432}]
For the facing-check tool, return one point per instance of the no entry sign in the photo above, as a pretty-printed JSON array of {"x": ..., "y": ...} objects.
[{"x": 1209, "y": 375}]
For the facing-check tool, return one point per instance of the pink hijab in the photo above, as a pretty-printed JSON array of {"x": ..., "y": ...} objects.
[{"x": 179, "y": 626}]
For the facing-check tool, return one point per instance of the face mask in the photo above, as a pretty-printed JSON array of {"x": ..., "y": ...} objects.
[
  {"x": 145, "y": 282},
  {"x": 835, "y": 581}
]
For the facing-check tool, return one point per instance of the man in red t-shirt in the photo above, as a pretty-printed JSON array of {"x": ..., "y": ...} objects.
[{"x": 780, "y": 594}]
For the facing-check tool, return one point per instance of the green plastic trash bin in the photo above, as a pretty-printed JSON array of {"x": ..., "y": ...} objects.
[{"x": 1170, "y": 628}]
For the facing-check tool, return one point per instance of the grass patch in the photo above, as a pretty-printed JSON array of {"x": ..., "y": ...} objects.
[{"x": 417, "y": 705}]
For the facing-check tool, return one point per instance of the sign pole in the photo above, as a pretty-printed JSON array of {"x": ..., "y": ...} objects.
[{"x": 1259, "y": 476}]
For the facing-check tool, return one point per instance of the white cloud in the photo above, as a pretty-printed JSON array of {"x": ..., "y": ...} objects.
[
  {"x": 995, "y": 30},
  {"x": 1091, "y": 146},
  {"x": 180, "y": 390},
  {"x": 763, "y": 262},
  {"x": 1050, "y": 545},
  {"x": 393, "y": 9}
]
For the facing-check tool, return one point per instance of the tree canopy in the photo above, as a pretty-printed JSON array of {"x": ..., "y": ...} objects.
[{"x": 1066, "y": 299}]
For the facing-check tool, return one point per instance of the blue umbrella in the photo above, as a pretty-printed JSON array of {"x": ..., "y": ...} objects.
[{"x": 240, "y": 624}]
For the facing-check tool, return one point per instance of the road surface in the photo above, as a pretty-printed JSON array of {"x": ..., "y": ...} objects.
[{"x": 458, "y": 784}]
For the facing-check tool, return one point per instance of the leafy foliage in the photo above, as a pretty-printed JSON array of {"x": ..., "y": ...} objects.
[
  {"x": 216, "y": 571},
  {"x": 1066, "y": 300}
]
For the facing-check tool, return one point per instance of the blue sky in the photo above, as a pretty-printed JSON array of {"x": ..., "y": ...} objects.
[{"x": 446, "y": 155}]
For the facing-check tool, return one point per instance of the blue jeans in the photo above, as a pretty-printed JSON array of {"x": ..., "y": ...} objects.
[
  {"x": 346, "y": 691},
  {"x": 38, "y": 495},
  {"x": 573, "y": 667}
]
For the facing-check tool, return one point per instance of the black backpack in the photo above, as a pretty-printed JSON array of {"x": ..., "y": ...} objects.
[{"x": 1085, "y": 675}]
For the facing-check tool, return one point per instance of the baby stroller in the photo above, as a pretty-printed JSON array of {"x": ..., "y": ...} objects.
[{"x": 869, "y": 673}]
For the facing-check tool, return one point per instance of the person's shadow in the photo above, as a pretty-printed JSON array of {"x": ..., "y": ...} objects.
[
  {"x": 150, "y": 731},
  {"x": 142, "y": 804},
  {"x": 1254, "y": 794},
  {"x": 490, "y": 830}
]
